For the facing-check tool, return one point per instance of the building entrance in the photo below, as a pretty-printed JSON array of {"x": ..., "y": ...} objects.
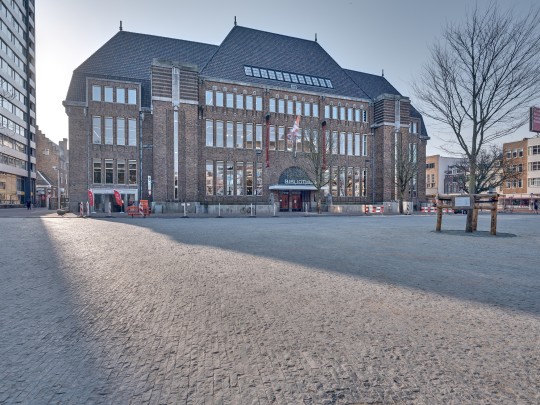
[{"x": 290, "y": 201}]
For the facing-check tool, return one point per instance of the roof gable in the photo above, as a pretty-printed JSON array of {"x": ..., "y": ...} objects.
[
  {"x": 249, "y": 47},
  {"x": 372, "y": 85}
]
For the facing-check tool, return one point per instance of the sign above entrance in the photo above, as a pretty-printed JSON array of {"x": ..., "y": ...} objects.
[{"x": 293, "y": 178}]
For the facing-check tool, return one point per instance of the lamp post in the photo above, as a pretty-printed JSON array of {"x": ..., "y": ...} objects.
[{"x": 58, "y": 187}]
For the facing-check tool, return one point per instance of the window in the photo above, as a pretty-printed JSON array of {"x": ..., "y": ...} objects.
[
  {"x": 258, "y": 191},
  {"x": 239, "y": 135},
  {"x": 334, "y": 112},
  {"x": 290, "y": 107},
  {"x": 96, "y": 129},
  {"x": 132, "y": 165},
  {"x": 520, "y": 152},
  {"x": 298, "y": 107},
  {"x": 350, "y": 150},
  {"x": 108, "y": 131},
  {"x": 209, "y": 97},
  {"x": 281, "y": 138},
  {"x": 258, "y": 136},
  {"x": 249, "y": 102},
  {"x": 209, "y": 133},
  {"x": 239, "y": 178},
  {"x": 287, "y": 77},
  {"x": 230, "y": 100},
  {"x": 342, "y": 113},
  {"x": 132, "y": 96},
  {"x": 357, "y": 115},
  {"x": 357, "y": 182},
  {"x": 335, "y": 142},
  {"x": 109, "y": 171},
  {"x": 132, "y": 132},
  {"x": 315, "y": 110},
  {"x": 230, "y": 135},
  {"x": 219, "y": 134},
  {"x": 258, "y": 103},
  {"x": 96, "y": 93},
  {"x": 219, "y": 99},
  {"x": 364, "y": 115},
  {"x": 120, "y": 95},
  {"x": 307, "y": 109},
  {"x": 120, "y": 131},
  {"x": 249, "y": 136},
  {"x": 230, "y": 178},
  {"x": 272, "y": 105},
  {"x": 357, "y": 144},
  {"x": 364, "y": 145},
  {"x": 281, "y": 106},
  {"x": 108, "y": 94},
  {"x": 342, "y": 143},
  {"x": 350, "y": 116},
  {"x": 327, "y": 111},
  {"x": 239, "y": 101},
  {"x": 97, "y": 171},
  {"x": 209, "y": 177},
  {"x": 219, "y": 178},
  {"x": 121, "y": 172},
  {"x": 534, "y": 166},
  {"x": 272, "y": 137}
]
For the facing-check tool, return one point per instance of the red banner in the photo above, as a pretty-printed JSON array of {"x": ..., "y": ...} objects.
[
  {"x": 118, "y": 198},
  {"x": 91, "y": 198}
]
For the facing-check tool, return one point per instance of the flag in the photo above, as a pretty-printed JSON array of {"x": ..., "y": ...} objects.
[
  {"x": 91, "y": 197},
  {"x": 118, "y": 198},
  {"x": 294, "y": 131}
]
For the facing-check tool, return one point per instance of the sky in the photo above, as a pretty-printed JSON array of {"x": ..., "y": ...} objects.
[{"x": 364, "y": 35}]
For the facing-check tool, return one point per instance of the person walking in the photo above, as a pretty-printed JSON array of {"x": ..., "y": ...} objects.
[
  {"x": 28, "y": 204},
  {"x": 536, "y": 206}
]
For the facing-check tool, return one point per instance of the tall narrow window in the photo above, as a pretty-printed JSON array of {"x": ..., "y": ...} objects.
[
  {"x": 96, "y": 93},
  {"x": 249, "y": 102},
  {"x": 209, "y": 177},
  {"x": 209, "y": 133},
  {"x": 249, "y": 178},
  {"x": 209, "y": 97},
  {"x": 350, "y": 150},
  {"x": 132, "y": 167},
  {"x": 239, "y": 178},
  {"x": 132, "y": 132},
  {"x": 121, "y": 172},
  {"x": 220, "y": 190},
  {"x": 272, "y": 137},
  {"x": 258, "y": 103},
  {"x": 357, "y": 182},
  {"x": 132, "y": 96},
  {"x": 350, "y": 116},
  {"x": 350, "y": 181},
  {"x": 219, "y": 99},
  {"x": 109, "y": 171},
  {"x": 357, "y": 115},
  {"x": 315, "y": 110},
  {"x": 97, "y": 171},
  {"x": 272, "y": 105},
  {"x": 364, "y": 115},
  {"x": 290, "y": 106},
  {"x": 364, "y": 182},
  {"x": 364, "y": 145},
  {"x": 230, "y": 178},
  {"x": 229, "y": 100},
  {"x": 281, "y": 106},
  {"x": 342, "y": 180},
  {"x": 108, "y": 131},
  {"x": 259, "y": 188},
  {"x": 342, "y": 143},
  {"x": 121, "y": 95},
  {"x": 219, "y": 134},
  {"x": 239, "y": 135},
  {"x": 281, "y": 138},
  {"x": 258, "y": 136},
  {"x": 357, "y": 144},
  {"x": 327, "y": 111},
  {"x": 239, "y": 101},
  {"x": 335, "y": 143},
  {"x": 108, "y": 94},
  {"x": 230, "y": 134},
  {"x": 120, "y": 131},
  {"x": 96, "y": 129},
  {"x": 249, "y": 136},
  {"x": 307, "y": 109},
  {"x": 342, "y": 113},
  {"x": 298, "y": 107}
]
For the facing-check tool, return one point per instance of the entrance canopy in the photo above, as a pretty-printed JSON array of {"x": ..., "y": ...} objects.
[{"x": 299, "y": 187}]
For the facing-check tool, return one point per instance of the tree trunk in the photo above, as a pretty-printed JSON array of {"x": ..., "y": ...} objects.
[
  {"x": 319, "y": 202},
  {"x": 469, "y": 227},
  {"x": 401, "y": 205}
]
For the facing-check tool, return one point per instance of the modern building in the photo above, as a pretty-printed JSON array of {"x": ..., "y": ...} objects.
[
  {"x": 439, "y": 174},
  {"x": 52, "y": 165},
  {"x": 173, "y": 122},
  {"x": 18, "y": 102}
]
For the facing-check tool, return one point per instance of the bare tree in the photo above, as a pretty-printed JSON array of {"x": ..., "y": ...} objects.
[
  {"x": 317, "y": 158},
  {"x": 481, "y": 79},
  {"x": 492, "y": 170},
  {"x": 406, "y": 168}
]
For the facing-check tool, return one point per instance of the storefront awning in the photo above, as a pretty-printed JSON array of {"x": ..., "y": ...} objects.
[{"x": 297, "y": 187}]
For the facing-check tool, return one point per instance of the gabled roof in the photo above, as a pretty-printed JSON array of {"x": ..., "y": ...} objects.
[
  {"x": 372, "y": 85},
  {"x": 128, "y": 56},
  {"x": 250, "y": 47}
]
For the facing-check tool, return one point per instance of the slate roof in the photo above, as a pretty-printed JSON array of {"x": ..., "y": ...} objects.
[
  {"x": 128, "y": 56},
  {"x": 246, "y": 46},
  {"x": 372, "y": 85}
]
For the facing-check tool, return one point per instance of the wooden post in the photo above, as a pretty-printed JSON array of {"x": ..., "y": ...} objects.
[
  {"x": 494, "y": 218},
  {"x": 475, "y": 215},
  {"x": 439, "y": 218}
]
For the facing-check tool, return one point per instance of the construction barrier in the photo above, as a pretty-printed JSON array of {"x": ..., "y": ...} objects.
[
  {"x": 433, "y": 210},
  {"x": 374, "y": 209}
]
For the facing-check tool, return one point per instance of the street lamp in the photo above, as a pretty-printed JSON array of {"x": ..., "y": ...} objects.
[{"x": 58, "y": 187}]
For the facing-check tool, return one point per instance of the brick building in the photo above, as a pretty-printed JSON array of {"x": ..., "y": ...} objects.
[
  {"x": 175, "y": 121},
  {"x": 52, "y": 165}
]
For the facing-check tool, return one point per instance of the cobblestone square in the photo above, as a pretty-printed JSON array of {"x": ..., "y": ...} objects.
[{"x": 286, "y": 310}]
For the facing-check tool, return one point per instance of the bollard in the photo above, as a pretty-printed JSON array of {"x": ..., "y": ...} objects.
[
  {"x": 88, "y": 208},
  {"x": 251, "y": 210}
]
